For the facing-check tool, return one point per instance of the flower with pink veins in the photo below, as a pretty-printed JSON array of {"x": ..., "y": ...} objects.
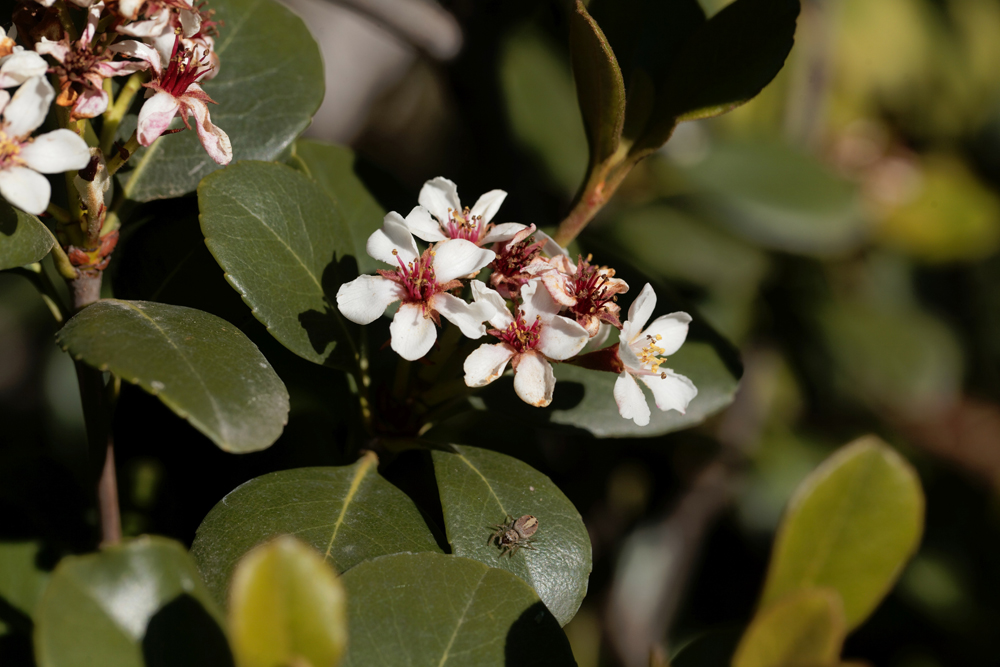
[
  {"x": 589, "y": 292},
  {"x": 529, "y": 339},
  {"x": 440, "y": 197},
  {"x": 175, "y": 92},
  {"x": 24, "y": 159},
  {"x": 643, "y": 351},
  {"x": 176, "y": 18},
  {"x": 423, "y": 282}
]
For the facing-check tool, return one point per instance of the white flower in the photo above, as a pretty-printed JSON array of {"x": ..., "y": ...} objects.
[
  {"x": 530, "y": 339},
  {"x": 23, "y": 159},
  {"x": 19, "y": 65},
  {"x": 422, "y": 282},
  {"x": 440, "y": 197},
  {"x": 642, "y": 351}
]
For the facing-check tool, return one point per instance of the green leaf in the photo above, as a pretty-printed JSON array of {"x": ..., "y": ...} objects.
[
  {"x": 22, "y": 582},
  {"x": 135, "y": 604},
  {"x": 851, "y": 526},
  {"x": 332, "y": 168},
  {"x": 599, "y": 85},
  {"x": 201, "y": 367},
  {"x": 805, "y": 628},
  {"x": 349, "y": 514},
  {"x": 287, "y": 607},
  {"x": 23, "y": 238},
  {"x": 432, "y": 609},
  {"x": 479, "y": 488},
  {"x": 781, "y": 198},
  {"x": 285, "y": 249},
  {"x": 725, "y": 63},
  {"x": 269, "y": 85}
]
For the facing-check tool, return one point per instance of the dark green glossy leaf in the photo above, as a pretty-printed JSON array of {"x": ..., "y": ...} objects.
[
  {"x": 599, "y": 85},
  {"x": 851, "y": 526},
  {"x": 349, "y": 514},
  {"x": 285, "y": 249},
  {"x": 287, "y": 607},
  {"x": 332, "y": 168},
  {"x": 23, "y": 238},
  {"x": 201, "y": 367},
  {"x": 447, "y": 611},
  {"x": 781, "y": 198},
  {"x": 135, "y": 604},
  {"x": 724, "y": 63},
  {"x": 269, "y": 85},
  {"x": 804, "y": 628},
  {"x": 479, "y": 488}
]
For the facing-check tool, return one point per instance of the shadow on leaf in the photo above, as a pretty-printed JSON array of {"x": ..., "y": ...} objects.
[
  {"x": 329, "y": 326},
  {"x": 183, "y": 634},
  {"x": 535, "y": 638}
]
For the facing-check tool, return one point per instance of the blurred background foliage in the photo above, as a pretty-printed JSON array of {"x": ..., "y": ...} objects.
[{"x": 842, "y": 230}]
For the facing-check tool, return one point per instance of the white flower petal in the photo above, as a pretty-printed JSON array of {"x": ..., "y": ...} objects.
[
  {"x": 55, "y": 152},
  {"x": 4, "y": 99},
  {"x": 91, "y": 103},
  {"x": 413, "y": 335},
  {"x": 130, "y": 8},
  {"x": 537, "y": 302},
  {"x": 26, "y": 111},
  {"x": 155, "y": 116},
  {"x": 596, "y": 342},
  {"x": 488, "y": 205},
  {"x": 134, "y": 49},
  {"x": 673, "y": 392},
  {"x": 438, "y": 195},
  {"x": 639, "y": 313},
  {"x": 550, "y": 247},
  {"x": 26, "y": 189},
  {"x": 421, "y": 225},
  {"x": 501, "y": 318},
  {"x": 631, "y": 402},
  {"x": 364, "y": 299},
  {"x": 468, "y": 317},
  {"x": 558, "y": 285},
  {"x": 502, "y": 232},
  {"x": 213, "y": 139},
  {"x": 392, "y": 236},
  {"x": 20, "y": 66},
  {"x": 47, "y": 47},
  {"x": 190, "y": 22},
  {"x": 455, "y": 258},
  {"x": 534, "y": 380},
  {"x": 561, "y": 338},
  {"x": 672, "y": 330},
  {"x": 486, "y": 364},
  {"x": 628, "y": 355}
]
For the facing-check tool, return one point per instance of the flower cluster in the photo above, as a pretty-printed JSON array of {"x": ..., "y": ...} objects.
[
  {"x": 167, "y": 42},
  {"x": 540, "y": 305}
]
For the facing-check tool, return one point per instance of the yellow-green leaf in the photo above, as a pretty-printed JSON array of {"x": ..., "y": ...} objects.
[
  {"x": 805, "y": 629},
  {"x": 851, "y": 526},
  {"x": 287, "y": 607}
]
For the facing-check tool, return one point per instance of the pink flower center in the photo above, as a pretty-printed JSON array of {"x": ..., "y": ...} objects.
[
  {"x": 182, "y": 71},
  {"x": 464, "y": 225},
  {"x": 416, "y": 277},
  {"x": 590, "y": 287},
  {"x": 518, "y": 334}
]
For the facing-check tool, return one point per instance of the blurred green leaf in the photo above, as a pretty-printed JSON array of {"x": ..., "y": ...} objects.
[
  {"x": 136, "y": 604},
  {"x": 432, "y": 609},
  {"x": 599, "y": 86},
  {"x": 725, "y": 63},
  {"x": 805, "y": 628},
  {"x": 287, "y": 607},
  {"x": 479, "y": 488},
  {"x": 23, "y": 238},
  {"x": 781, "y": 198},
  {"x": 286, "y": 250},
  {"x": 851, "y": 526},
  {"x": 22, "y": 582},
  {"x": 542, "y": 106},
  {"x": 269, "y": 84},
  {"x": 349, "y": 514},
  {"x": 201, "y": 367},
  {"x": 332, "y": 168}
]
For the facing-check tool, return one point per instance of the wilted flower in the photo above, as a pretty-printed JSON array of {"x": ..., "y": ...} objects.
[
  {"x": 422, "y": 282},
  {"x": 589, "y": 292}
]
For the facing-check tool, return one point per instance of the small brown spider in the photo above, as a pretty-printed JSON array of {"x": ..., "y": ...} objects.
[{"x": 514, "y": 534}]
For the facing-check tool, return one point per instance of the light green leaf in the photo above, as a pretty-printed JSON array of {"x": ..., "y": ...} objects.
[
  {"x": 22, "y": 582},
  {"x": 201, "y": 367},
  {"x": 447, "y": 611},
  {"x": 599, "y": 85},
  {"x": 130, "y": 605},
  {"x": 332, "y": 168},
  {"x": 349, "y": 514},
  {"x": 780, "y": 198},
  {"x": 805, "y": 628},
  {"x": 23, "y": 238},
  {"x": 479, "y": 488},
  {"x": 269, "y": 85},
  {"x": 851, "y": 526},
  {"x": 287, "y": 607},
  {"x": 285, "y": 249}
]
